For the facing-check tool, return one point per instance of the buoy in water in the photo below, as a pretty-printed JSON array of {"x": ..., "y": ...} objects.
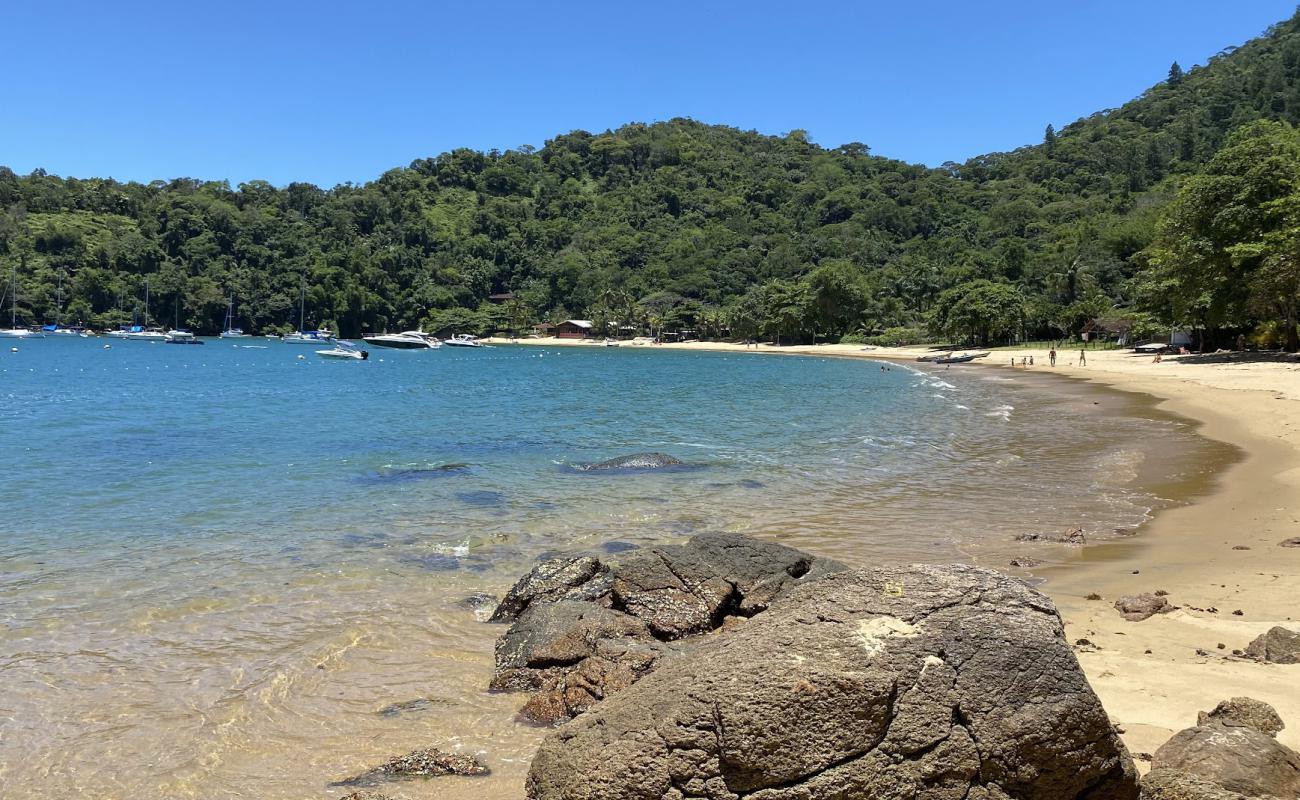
[
  {"x": 108, "y": 347},
  {"x": 13, "y": 349},
  {"x": 301, "y": 357}
]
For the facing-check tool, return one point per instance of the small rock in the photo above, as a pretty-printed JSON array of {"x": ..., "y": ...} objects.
[
  {"x": 1201, "y": 652},
  {"x": 1161, "y": 593},
  {"x": 1092, "y": 596},
  {"x": 365, "y": 796},
  {"x": 1025, "y": 561},
  {"x": 1278, "y": 646},
  {"x": 424, "y": 763},
  {"x": 1138, "y": 607},
  {"x": 1238, "y": 613},
  {"x": 1294, "y": 541},
  {"x": 1245, "y": 711},
  {"x": 1241, "y": 547},
  {"x": 1222, "y": 646}
]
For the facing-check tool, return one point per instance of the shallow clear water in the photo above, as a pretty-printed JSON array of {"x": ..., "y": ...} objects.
[{"x": 219, "y": 564}]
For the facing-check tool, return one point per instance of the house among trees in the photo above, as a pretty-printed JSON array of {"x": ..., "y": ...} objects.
[{"x": 574, "y": 329}]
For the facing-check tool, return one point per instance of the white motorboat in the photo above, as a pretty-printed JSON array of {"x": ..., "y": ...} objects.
[
  {"x": 323, "y": 336},
  {"x": 406, "y": 340},
  {"x": 463, "y": 340},
  {"x": 346, "y": 350},
  {"x": 180, "y": 336}
]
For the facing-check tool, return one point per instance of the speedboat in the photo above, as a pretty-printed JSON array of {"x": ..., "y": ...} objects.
[
  {"x": 322, "y": 336},
  {"x": 180, "y": 336},
  {"x": 344, "y": 350},
  {"x": 463, "y": 340},
  {"x": 406, "y": 340}
]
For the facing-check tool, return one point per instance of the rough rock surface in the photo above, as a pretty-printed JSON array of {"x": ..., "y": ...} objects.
[
  {"x": 1278, "y": 646},
  {"x": 584, "y": 628},
  {"x": 1137, "y": 607},
  {"x": 1245, "y": 711},
  {"x": 1294, "y": 541},
  {"x": 635, "y": 461},
  {"x": 1234, "y": 757},
  {"x": 910, "y": 682},
  {"x": 424, "y": 763},
  {"x": 1168, "y": 784}
]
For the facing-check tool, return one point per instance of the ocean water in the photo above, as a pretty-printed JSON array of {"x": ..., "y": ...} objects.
[{"x": 221, "y": 566}]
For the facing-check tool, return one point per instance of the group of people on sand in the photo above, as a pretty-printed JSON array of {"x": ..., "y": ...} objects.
[{"x": 1028, "y": 361}]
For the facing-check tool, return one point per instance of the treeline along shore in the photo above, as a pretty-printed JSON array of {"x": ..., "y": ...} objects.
[{"x": 1176, "y": 209}]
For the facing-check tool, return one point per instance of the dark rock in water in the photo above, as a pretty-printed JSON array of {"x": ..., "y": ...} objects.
[
  {"x": 748, "y": 483},
  {"x": 1277, "y": 646},
  {"x": 477, "y": 600},
  {"x": 920, "y": 682},
  {"x": 427, "y": 762},
  {"x": 1233, "y": 757},
  {"x": 584, "y": 628},
  {"x": 1024, "y": 562},
  {"x": 365, "y": 796},
  {"x": 409, "y": 474},
  {"x": 1245, "y": 711},
  {"x": 1138, "y": 607},
  {"x": 1168, "y": 784},
  {"x": 617, "y": 547},
  {"x": 638, "y": 461},
  {"x": 407, "y": 707},
  {"x": 481, "y": 498}
]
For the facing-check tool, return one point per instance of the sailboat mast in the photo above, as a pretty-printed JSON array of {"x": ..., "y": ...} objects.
[
  {"x": 302, "y": 305},
  {"x": 146, "y": 304}
]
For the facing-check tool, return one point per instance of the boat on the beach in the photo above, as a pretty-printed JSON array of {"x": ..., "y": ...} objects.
[
  {"x": 463, "y": 340},
  {"x": 406, "y": 340},
  {"x": 181, "y": 336},
  {"x": 344, "y": 350},
  {"x": 959, "y": 359},
  {"x": 612, "y": 343}
]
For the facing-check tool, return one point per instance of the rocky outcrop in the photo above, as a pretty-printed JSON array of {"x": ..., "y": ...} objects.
[
  {"x": 1233, "y": 757},
  {"x": 1166, "y": 784},
  {"x": 1277, "y": 646},
  {"x": 1138, "y": 607},
  {"x": 936, "y": 682},
  {"x": 585, "y": 628},
  {"x": 637, "y": 461},
  {"x": 1245, "y": 711}
]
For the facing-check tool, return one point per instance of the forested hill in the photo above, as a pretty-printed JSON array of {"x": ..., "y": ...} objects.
[{"x": 667, "y": 225}]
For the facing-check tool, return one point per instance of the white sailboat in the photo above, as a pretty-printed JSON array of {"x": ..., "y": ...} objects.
[
  {"x": 322, "y": 336},
  {"x": 13, "y": 331},
  {"x": 228, "y": 331},
  {"x": 143, "y": 333}
]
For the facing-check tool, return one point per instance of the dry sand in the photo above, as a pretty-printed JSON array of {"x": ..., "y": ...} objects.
[{"x": 1154, "y": 676}]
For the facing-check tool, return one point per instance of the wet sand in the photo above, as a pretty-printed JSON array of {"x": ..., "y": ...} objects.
[{"x": 1154, "y": 676}]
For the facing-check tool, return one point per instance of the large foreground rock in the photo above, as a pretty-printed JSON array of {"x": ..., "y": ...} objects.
[
  {"x": 585, "y": 628},
  {"x": 1234, "y": 757},
  {"x": 1245, "y": 711},
  {"x": 945, "y": 683},
  {"x": 1277, "y": 646},
  {"x": 1167, "y": 784}
]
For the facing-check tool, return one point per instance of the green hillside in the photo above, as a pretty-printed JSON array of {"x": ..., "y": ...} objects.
[{"x": 682, "y": 224}]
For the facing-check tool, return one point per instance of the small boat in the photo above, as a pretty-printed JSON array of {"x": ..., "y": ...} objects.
[
  {"x": 961, "y": 359},
  {"x": 228, "y": 330},
  {"x": 323, "y": 336},
  {"x": 463, "y": 340},
  {"x": 611, "y": 343},
  {"x": 406, "y": 340},
  {"x": 181, "y": 336},
  {"x": 346, "y": 350},
  {"x": 139, "y": 333}
]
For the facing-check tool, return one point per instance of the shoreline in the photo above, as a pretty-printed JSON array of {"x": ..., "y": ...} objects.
[{"x": 1154, "y": 676}]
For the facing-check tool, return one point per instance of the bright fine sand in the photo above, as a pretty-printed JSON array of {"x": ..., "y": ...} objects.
[{"x": 1154, "y": 676}]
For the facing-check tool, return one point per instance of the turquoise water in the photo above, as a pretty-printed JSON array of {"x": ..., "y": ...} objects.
[{"x": 218, "y": 562}]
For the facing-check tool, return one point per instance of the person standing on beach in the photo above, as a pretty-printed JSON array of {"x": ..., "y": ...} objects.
[
  {"x": 1051, "y": 356},
  {"x": 1083, "y": 358}
]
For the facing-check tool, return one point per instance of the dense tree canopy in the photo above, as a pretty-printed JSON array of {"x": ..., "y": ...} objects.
[{"x": 681, "y": 225}]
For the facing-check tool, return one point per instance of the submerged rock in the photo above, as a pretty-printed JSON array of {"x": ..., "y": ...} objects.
[
  {"x": 1277, "y": 646},
  {"x": 585, "y": 628},
  {"x": 923, "y": 682},
  {"x": 1137, "y": 607},
  {"x": 1245, "y": 711},
  {"x": 426, "y": 762},
  {"x": 1233, "y": 757},
  {"x": 635, "y": 461}
]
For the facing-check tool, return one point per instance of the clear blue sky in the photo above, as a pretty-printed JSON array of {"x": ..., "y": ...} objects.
[{"x": 328, "y": 91}]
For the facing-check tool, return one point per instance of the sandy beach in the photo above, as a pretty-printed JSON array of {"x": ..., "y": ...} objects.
[{"x": 1218, "y": 558}]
